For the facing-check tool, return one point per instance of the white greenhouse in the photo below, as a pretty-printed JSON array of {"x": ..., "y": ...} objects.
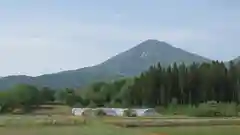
[
  {"x": 145, "y": 112},
  {"x": 113, "y": 111}
]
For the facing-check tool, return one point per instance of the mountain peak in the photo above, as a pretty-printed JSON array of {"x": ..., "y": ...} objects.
[
  {"x": 153, "y": 42},
  {"x": 153, "y": 45}
]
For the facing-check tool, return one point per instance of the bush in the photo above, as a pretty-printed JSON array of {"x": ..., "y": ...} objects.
[
  {"x": 114, "y": 105},
  {"x": 228, "y": 109},
  {"x": 18, "y": 111},
  {"x": 238, "y": 108},
  {"x": 89, "y": 112},
  {"x": 92, "y": 105},
  {"x": 100, "y": 112},
  {"x": 129, "y": 113},
  {"x": 177, "y": 110},
  {"x": 77, "y": 105},
  {"x": 160, "y": 109}
]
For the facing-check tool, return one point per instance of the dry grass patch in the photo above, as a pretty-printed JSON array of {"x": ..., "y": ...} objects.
[
  {"x": 172, "y": 122},
  {"x": 53, "y": 110},
  {"x": 31, "y": 121}
]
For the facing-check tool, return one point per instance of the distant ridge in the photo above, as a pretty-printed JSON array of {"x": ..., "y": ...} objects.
[{"x": 129, "y": 63}]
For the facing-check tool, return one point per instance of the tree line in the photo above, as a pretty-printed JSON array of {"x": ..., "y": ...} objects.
[
  {"x": 178, "y": 83},
  {"x": 158, "y": 86},
  {"x": 24, "y": 97},
  {"x": 190, "y": 85}
]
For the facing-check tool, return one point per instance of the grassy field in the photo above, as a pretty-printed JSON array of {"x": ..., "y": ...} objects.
[{"x": 62, "y": 123}]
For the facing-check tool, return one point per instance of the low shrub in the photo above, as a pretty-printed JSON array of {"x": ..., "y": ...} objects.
[
  {"x": 92, "y": 105},
  {"x": 177, "y": 110},
  {"x": 77, "y": 105},
  {"x": 114, "y": 105},
  {"x": 160, "y": 109},
  {"x": 228, "y": 109},
  {"x": 129, "y": 113},
  {"x": 238, "y": 108},
  {"x": 100, "y": 112}
]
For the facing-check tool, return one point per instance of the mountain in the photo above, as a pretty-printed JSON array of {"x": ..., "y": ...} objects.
[
  {"x": 236, "y": 60},
  {"x": 129, "y": 63}
]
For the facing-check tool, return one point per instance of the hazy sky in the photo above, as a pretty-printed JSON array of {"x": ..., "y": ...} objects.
[{"x": 45, "y": 36}]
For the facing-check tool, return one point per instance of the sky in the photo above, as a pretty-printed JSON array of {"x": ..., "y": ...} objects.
[{"x": 46, "y": 36}]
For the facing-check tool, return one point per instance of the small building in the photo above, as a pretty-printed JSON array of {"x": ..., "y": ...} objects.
[{"x": 81, "y": 111}]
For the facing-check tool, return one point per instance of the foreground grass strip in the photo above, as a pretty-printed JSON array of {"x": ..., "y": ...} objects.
[
  {"x": 26, "y": 121},
  {"x": 101, "y": 129}
]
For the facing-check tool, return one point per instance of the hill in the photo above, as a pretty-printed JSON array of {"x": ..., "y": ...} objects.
[
  {"x": 129, "y": 63},
  {"x": 236, "y": 60}
]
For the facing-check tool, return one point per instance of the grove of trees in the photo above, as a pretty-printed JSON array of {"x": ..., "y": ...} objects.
[
  {"x": 182, "y": 84},
  {"x": 24, "y": 97}
]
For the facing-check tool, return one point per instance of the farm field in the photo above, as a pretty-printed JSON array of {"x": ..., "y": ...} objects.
[
  {"x": 28, "y": 125},
  {"x": 110, "y": 130},
  {"x": 58, "y": 120}
]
